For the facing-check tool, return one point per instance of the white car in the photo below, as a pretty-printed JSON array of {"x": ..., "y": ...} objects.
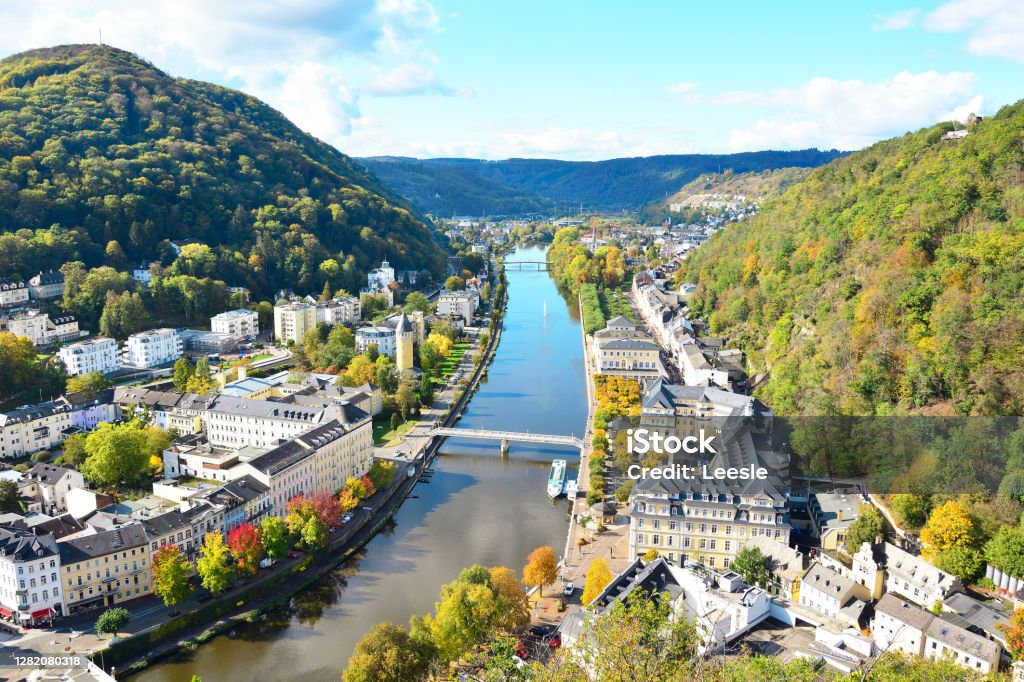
[{"x": 569, "y": 587}]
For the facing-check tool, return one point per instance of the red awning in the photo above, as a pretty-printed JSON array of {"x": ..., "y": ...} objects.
[
  {"x": 5, "y": 613},
  {"x": 42, "y": 614}
]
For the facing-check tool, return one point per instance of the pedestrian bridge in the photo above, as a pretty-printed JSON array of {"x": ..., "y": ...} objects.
[
  {"x": 526, "y": 265},
  {"x": 507, "y": 436}
]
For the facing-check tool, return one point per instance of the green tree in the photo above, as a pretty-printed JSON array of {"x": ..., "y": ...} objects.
[
  {"x": 416, "y": 301},
  {"x": 912, "y": 509},
  {"x": 112, "y": 620},
  {"x": 868, "y": 527},
  {"x": 214, "y": 564},
  {"x": 265, "y": 312},
  {"x": 1005, "y": 551},
  {"x": 752, "y": 565},
  {"x": 90, "y": 384},
  {"x": 74, "y": 450},
  {"x": 387, "y": 374},
  {"x": 117, "y": 455},
  {"x": 171, "y": 572},
  {"x": 387, "y": 653},
  {"x": 183, "y": 371},
  {"x": 455, "y": 283},
  {"x": 965, "y": 563},
  {"x": 325, "y": 294},
  {"x": 274, "y": 534},
  {"x": 10, "y": 498}
]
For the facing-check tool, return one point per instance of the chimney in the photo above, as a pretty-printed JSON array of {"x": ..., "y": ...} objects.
[
  {"x": 243, "y": 372},
  {"x": 840, "y": 515}
]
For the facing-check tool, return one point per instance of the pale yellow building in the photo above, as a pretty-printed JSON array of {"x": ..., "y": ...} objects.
[
  {"x": 405, "y": 342},
  {"x": 292, "y": 321},
  {"x": 105, "y": 568}
]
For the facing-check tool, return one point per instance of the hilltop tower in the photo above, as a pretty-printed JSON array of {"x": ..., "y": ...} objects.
[{"x": 405, "y": 340}]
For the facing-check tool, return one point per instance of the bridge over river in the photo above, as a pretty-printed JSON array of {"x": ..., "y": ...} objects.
[{"x": 508, "y": 436}]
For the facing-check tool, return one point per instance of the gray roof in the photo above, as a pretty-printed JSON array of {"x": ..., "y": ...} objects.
[
  {"x": 238, "y": 491},
  {"x": 958, "y": 638},
  {"x": 297, "y": 449},
  {"x": 267, "y": 409},
  {"x": 654, "y": 578},
  {"x": 47, "y": 474},
  {"x": 660, "y": 393},
  {"x": 102, "y": 543},
  {"x": 621, "y": 321},
  {"x": 903, "y": 611},
  {"x": 826, "y": 580},
  {"x": 629, "y": 344},
  {"x": 978, "y": 614},
  {"x": 51, "y": 277},
  {"x": 24, "y": 545}
]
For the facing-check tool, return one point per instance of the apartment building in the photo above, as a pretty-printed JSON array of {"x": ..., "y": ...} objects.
[
  {"x": 344, "y": 310},
  {"x": 458, "y": 304},
  {"x": 293, "y": 320},
  {"x": 46, "y": 285},
  {"x": 13, "y": 292},
  {"x": 47, "y": 486},
  {"x": 675, "y": 409},
  {"x": 34, "y": 427},
  {"x": 824, "y": 590},
  {"x": 42, "y": 329},
  {"x": 185, "y": 412},
  {"x": 238, "y": 324},
  {"x": 236, "y": 422},
  {"x": 30, "y": 589},
  {"x": 903, "y": 574},
  {"x": 208, "y": 343},
  {"x": 382, "y": 337},
  {"x": 152, "y": 348},
  {"x": 99, "y": 354},
  {"x": 105, "y": 568}
]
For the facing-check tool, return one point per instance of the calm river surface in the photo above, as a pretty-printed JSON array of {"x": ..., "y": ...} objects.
[{"x": 478, "y": 508}]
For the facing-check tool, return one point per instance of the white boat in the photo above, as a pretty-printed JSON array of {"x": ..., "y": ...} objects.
[
  {"x": 571, "y": 488},
  {"x": 556, "y": 479}
]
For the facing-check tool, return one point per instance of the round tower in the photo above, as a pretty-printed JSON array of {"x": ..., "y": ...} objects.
[{"x": 405, "y": 340}]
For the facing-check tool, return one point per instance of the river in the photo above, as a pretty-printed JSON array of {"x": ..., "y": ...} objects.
[{"x": 479, "y": 508}]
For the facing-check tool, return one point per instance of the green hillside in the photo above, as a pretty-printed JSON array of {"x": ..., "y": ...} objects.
[
  {"x": 519, "y": 184},
  {"x": 98, "y": 146},
  {"x": 890, "y": 280}
]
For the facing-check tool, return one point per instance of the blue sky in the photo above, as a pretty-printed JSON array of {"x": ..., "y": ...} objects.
[{"x": 571, "y": 79}]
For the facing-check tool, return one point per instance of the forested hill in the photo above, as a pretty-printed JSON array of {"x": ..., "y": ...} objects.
[
  {"x": 98, "y": 146},
  {"x": 475, "y": 186},
  {"x": 891, "y": 280}
]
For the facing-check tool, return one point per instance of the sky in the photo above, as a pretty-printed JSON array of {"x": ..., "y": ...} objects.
[{"x": 571, "y": 79}]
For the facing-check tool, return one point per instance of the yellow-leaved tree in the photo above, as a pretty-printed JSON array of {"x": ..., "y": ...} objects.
[
  {"x": 598, "y": 578},
  {"x": 950, "y": 526}
]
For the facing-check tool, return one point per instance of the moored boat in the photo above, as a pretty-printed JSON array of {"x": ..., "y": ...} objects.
[{"x": 556, "y": 479}]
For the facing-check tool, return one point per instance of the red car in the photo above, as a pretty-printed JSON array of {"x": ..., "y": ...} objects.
[
  {"x": 555, "y": 641},
  {"x": 522, "y": 652}
]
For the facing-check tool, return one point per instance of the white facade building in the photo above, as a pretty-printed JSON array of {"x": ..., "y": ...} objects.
[
  {"x": 34, "y": 427},
  {"x": 93, "y": 355},
  {"x": 48, "y": 486},
  {"x": 339, "y": 311},
  {"x": 292, "y": 321},
  {"x": 383, "y": 337},
  {"x": 460, "y": 304},
  {"x": 152, "y": 348},
  {"x": 46, "y": 285},
  {"x": 239, "y": 324},
  {"x": 237, "y": 422},
  {"x": 30, "y": 590},
  {"x": 40, "y": 328},
  {"x": 13, "y": 292}
]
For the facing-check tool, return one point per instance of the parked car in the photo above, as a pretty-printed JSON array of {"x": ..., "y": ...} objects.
[
  {"x": 346, "y": 518},
  {"x": 569, "y": 588},
  {"x": 541, "y": 630},
  {"x": 555, "y": 641}
]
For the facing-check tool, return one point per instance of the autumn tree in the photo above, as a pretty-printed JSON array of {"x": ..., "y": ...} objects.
[
  {"x": 541, "y": 568},
  {"x": 950, "y": 525},
  {"x": 598, "y": 577},
  {"x": 304, "y": 523},
  {"x": 171, "y": 572},
  {"x": 361, "y": 370},
  {"x": 89, "y": 384},
  {"x": 246, "y": 547},
  {"x": 214, "y": 563},
  {"x": 387, "y": 653},
  {"x": 455, "y": 283},
  {"x": 513, "y": 607},
  {"x": 1014, "y": 634},
  {"x": 274, "y": 535}
]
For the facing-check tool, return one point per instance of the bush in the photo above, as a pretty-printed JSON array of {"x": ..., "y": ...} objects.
[
  {"x": 40, "y": 456},
  {"x": 623, "y": 491},
  {"x": 112, "y": 620},
  {"x": 594, "y": 496}
]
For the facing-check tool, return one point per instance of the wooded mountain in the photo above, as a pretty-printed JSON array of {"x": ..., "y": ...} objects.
[
  {"x": 891, "y": 280},
  {"x": 98, "y": 146},
  {"x": 518, "y": 186}
]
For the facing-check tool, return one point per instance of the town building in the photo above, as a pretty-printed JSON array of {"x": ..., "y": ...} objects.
[
  {"x": 344, "y": 310},
  {"x": 42, "y": 329},
  {"x": 236, "y": 422},
  {"x": 832, "y": 514},
  {"x": 46, "y": 285},
  {"x": 105, "y": 568},
  {"x": 624, "y": 350},
  {"x": 13, "y": 293},
  {"x": 244, "y": 500},
  {"x": 99, "y": 354},
  {"x": 152, "y": 348},
  {"x": 902, "y": 573},
  {"x": 461, "y": 305},
  {"x": 182, "y": 529},
  {"x": 143, "y": 272},
  {"x": 32, "y": 428},
  {"x": 786, "y": 566},
  {"x": 185, "y": 412},
  {"x": 47, "y": 486},
  {"x": 207, "y": 343},
  {"x": 89, "y": 410},
  {"x": 675, "y": 409},
  {"x": 239, "y": 324},
  {"x": 824, "y": 590},
  {"x": 30, "y": 589},
  {"x": 382, "y": 337},
  {"x": 901, "y": 626},
  {"x": 292, "y": 321},
  {"x": 379, "y": 282}
]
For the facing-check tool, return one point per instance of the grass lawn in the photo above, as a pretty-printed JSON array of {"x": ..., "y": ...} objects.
[{"x": 382, "y": 432}]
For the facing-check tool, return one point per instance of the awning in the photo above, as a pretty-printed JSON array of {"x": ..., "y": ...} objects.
[
  {"x": 42, "y": 613},
  {"x": 5, "y": 613}
]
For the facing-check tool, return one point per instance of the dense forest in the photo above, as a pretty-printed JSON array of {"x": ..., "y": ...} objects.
[
  {"x": 890, "y": 281},
  {"x": 525, "y": 185},
  {"x": 105, "y": 159}
]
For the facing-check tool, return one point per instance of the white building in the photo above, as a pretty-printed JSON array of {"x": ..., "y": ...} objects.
[
  {"x": 902, "y": 573},
  {"x": 383, "y": 337},
  {"x": 622, "y": 349},
  {"x": 30, "y": 590},
  {"x": 343, "y": 310},
  {"x": 382, "y": 277},
  {"x": 40, "y": 328},
  {"x": 32, "y": 428},
  {"x": 237, "y": 422},
  {"x": 48, "y": 486},
  {"x": 292, "y": 321},
  {"x": 239, "y": 324},
  {"x": 900, "y": 626},
  {"x": 461, "y": 304},
  {"x": 152, "y": 348},
  {"x": 833, "y": 595},
  {"x": 46, "y": 285},
  {"x": 93, "y": 355},
  {"x": 141, "y": 272},
  {"x": 13, "y": 292}
]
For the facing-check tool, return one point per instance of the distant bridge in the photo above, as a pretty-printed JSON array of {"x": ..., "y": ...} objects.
[
  {"x": 540, "y": 264},
  {"x": 507, "y": 436}
]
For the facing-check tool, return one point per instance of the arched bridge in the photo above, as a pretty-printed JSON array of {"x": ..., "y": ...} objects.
[{"x": 507, "y": 436}]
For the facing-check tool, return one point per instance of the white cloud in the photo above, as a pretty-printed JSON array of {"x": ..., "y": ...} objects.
[
  {"x": 995, "y": 28},
  {"x": 826, "y": 112},
  {"x": 407, "y": 79},
  {"x": 289, "y": 54},
  {"x": 680, "y": 88},
  {"x": 896, "y": 21}
]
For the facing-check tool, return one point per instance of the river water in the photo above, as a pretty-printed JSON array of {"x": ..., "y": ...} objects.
[{"x": 479, "y": 508}]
